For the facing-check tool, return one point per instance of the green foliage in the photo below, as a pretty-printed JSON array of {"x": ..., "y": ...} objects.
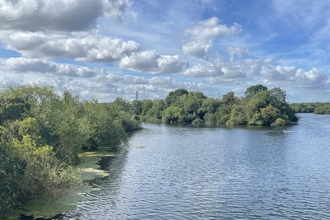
[
  {"x": 269, "y": 114},
  {"x": 174, "y": 96},
  {"x": 137, "y": 107},
  {"x": 324, "y": 109},
  {"x": 279, "y": 122},
  {"x": 42, "y": 134},
  {"x": 209, "y": 105},
  {"x": 260, "y": 106},
  {"x": 223, "y": 114},
  {"x": 197, "y": 122},
  {"x": 12, "y": 108},
  {"x": 255, "y": 104},
  {"x": 313, "y": 107},
  {"x": 156, "y": 111},
  {"x": 307, "y": 107},
  {"x": 229, "y": 99},
  {"x": 237, "y": 116},
  {"x": 277, "y": 97},
  {"x": 124, "y": 105},
  {"x": 146, "y": 105},
  {"x": 190, "y": 104},
  {"x": 210, "y": 119},
  {"x": 253, "y": 90},
  {"x": 11, "y": 173},
  {"x": 172, "y": 114}
]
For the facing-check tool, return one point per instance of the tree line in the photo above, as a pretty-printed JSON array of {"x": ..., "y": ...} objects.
[
  {"x": 41, "y": 134},
  {"x": 259, "y": 106},
  {"x": 312, "y": 107}
]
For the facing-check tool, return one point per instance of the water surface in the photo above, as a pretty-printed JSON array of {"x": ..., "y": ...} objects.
[{"x": 173, "y": 172}]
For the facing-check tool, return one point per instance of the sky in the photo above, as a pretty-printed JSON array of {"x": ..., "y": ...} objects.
[{"x": 106, "y": 49}]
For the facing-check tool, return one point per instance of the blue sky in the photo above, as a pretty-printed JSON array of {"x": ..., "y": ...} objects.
[{"x": 113, "y": 48}]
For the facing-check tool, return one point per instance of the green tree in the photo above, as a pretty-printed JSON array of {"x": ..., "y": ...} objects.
[
  {"x": 324, "y": 109},
  {"x": 137, "y": 107},
  {"x": 173, "y": 96},
  {"x": 154, "y": 114},
  {"x": 229, "y": 99},
  {"x": 11, "y": 173},
  {"x": 254, "y": 106},
  {"x": 172, "y": 114},
  {"x": 237, "y": 116},
  {"x": 269, "y": 114},
  {"x": 147, "y": 104},
  {"x": 13, "y": 108},
  {"x": 251, "y": 91}
]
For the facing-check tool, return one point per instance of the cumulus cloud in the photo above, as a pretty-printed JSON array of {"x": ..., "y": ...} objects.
[
  {"x": 25, "y": 65},
  {"x": 203, "y": 33},
  {"x": 60, "y": 15},
  {"x": 197, "y": 48},
  {"x": 151, "y": 62},
  {"x": 253, "y": 71},
  {"x": 233, "y": 72},
  {"x": 277, "y": 74},
  {"x": 208, "y": 70},
  {"x": 93, "y": 48},
  {"x": 313, "y": 78},
  {"x": 211, "y": 28}
]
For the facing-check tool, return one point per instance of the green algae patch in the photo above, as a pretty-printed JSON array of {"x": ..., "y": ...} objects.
[
  {"x": 50, "y": 206},
  {"x": 88, "y": 167}
]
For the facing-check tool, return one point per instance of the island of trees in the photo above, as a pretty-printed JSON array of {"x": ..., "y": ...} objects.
[
  {"x": 41, "y": 132},
  {"x": 259, "y": 106}
]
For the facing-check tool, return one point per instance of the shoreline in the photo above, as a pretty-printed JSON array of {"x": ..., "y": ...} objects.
[{"x": 49, "y": 206}]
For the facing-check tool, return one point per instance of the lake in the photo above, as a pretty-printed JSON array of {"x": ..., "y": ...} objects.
[{"x": 180, "y": 172}]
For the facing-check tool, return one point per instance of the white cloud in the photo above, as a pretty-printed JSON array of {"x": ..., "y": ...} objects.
[
  {"x": 151, "y": 62},
  {"x": 62, "y": 15},
  {"x": 93, "y": 48},
  {"x": 203, "y": 33},
  {"x": 42, "y": 66},
  {"x": 233, "y": 72},
  {"x": 200, "y": 70},
  {"x": 211, "y": 28},
  {"x": 313, "y": 78},
  {"x": 10, "y": 80},
  {"x": 197, "y": 48}
]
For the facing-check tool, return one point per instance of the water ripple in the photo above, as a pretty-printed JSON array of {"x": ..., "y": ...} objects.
[{"x": 216, "y": 173}]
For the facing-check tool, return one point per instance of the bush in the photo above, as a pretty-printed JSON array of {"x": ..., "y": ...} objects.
[{"x": 279, "y": 122}]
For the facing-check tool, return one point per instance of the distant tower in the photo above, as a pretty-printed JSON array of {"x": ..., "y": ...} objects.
[{"x": 137, "y": 95}]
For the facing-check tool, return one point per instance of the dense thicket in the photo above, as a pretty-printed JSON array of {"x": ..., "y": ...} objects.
[
  {"x": 259, "y": 106},
  {"x": 41, "y": 134}
]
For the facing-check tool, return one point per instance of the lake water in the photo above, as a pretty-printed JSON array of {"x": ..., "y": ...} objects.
[{"x": 174, "y": 172}]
